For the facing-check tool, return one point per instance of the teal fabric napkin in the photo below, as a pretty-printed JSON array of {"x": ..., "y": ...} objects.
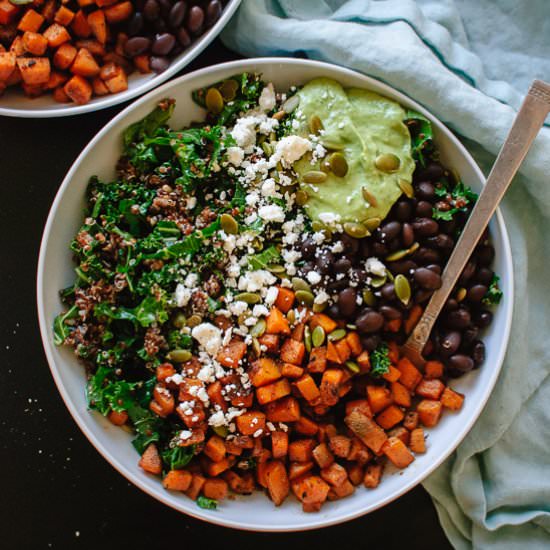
[{"x": 469, "y": 62}]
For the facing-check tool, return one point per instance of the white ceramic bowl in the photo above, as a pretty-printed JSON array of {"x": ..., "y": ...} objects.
[
  {"x": 55, "y": 271},
  {"x": 14, "y": 103}
]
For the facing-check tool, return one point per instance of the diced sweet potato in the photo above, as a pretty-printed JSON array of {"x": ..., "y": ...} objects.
[
  {"x": 7, "y": 65},
  {"x": 361, "y": 405},
  {"x": 277, "y": 482},
  {"x": 240, "y": 484},
  {"x": 306, "y": 426},
  {"x": 401, "y": 433},
  {"x": 142, "y": 64},
  {"x": 429, "y": 412},
  {"x": 397, "y": 452},
  {"x": 270, "y": 341},
  {"x": 355, "y": 473},
  {"x": 56, "y": 35},
  {"x": 308, "y": 388},
  {"x": 298, "y": 469},
  {"x": 17, "y": 47},
  {"x": 8, "y": 12},
  {"x": 392, "y": 375},
  {"x": 215, "y": 448},
  {"x": 343, "y": 350},
  {"x": 451, "y": 399},
  {"x": 118, "y": 12},
  {"x": 433, "y": 369},
  {"x": 293, "y": 352},
  {"x": 430, "y": 389},
  {"x": 298, "y": 332},
  {"x": 393, "y": 352},
  {"x": 411, "y": 420},
  {"x": 177, "y": 480},
  {"x": 150, "y": 460},
  {"x": 279, "y": 444},
  {"x": 418, "y": 442},
  {"x": 341, "y": 491},
  {"x": 118, "y": 418},
  {"x": 250, "y": 421},
  {"x": 400, "y": 395},
  {"x": 97, "y": 23},
  {"x": 263, "y": 371},
  {"x": 60, "y": 96},
  {"x": 283, "y": 410},
  {"x": 235, "y": 350},
  {"x": 80, "y": 25},
  {"x": 84, "y": 64},
  {"x": 410, "y": 375},
  {"x": 34, "y": 43},
  {"x": 379, "y": 398},
  {"x": 322, "y": 455},
  {"x": 332, "y": 354},
  {"x": 34, "y": 70},
  {"x": 274, "y": 391},
  {"x": 363, "y": 360},
  {"x": 324, "y": 321},
  {"x": 197, "y": 483},
  {"x": 215, "y": 488},
  {"x": 372, "y": 477},
  {"x": 340, "y": 445},
  {"x": 165, "y": 399},
  {"x": 317, "y": 360},
  {"x": 334, "y": 474},
  {"x": 118, "y": 83},
  {"x": 277, "y": 323},
  {"x": 330, "y": 384},
  {"x": 354, "y": 343},
  {"x": 285, "y": 299},
  {"x": 64, "y": 16},
  {"x": 78, "y": 89},
  {"x": 389, "y": 417},
  {"x": 215, "y": 468},
  {"x": 291, "y": 371},
  {"x": 48, "y": 9},
  {"x": 301, "y": 450},
  {"x": 64, "y": 56},
  {"x": 311, "y": 490},
  {"x": 372, "y": 435},
  {"x": 31, "y": 21},
  {"x": 359, "y": 452}
]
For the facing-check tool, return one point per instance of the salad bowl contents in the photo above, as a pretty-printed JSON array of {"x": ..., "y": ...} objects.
[{"x": 233, "y": 308}]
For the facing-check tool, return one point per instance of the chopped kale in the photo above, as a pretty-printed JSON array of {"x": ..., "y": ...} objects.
[
  {"x": 380, "y": 361},
  {"x": 494, "y": 294},
  {"x": 207, "y": 503}
]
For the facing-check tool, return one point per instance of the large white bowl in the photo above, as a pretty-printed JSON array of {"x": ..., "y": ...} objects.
[
  {"x": 15, "y": 103},
  {"x": 55, "y": 271}
]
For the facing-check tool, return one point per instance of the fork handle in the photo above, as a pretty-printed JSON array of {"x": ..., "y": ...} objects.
[{"x": 528, "y": 121}]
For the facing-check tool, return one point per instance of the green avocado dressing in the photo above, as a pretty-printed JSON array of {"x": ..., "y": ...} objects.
[{"x": 362, "y": 125}]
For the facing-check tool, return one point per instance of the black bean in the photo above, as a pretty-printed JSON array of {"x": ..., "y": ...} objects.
[
  {"x": 390, "y": 312},
  {"x": 177, "y": 13},
  {"x": 213, "y": 12},
  {"x": 450, "y": 305},
  {"x": 426, "y": 256},
  {"x": 407, "y": 234},
  {"x": 478, "y": 353},
  {"x": 427, "y": 279},
  {"x": 351, "y": 245},
  {"x": 436, "y": 268},
  {"x": 484, "y": 318},
  {"x": 441, "y": 241},
  {"x": 459, "y": 318},
  {"x": 370, "y": 343},
  {"x": 425, "y": 191},
  {"x": 450, "y": 342},
  {"x": 333, "y": 311},
  {"x": 469, "y": 335},
  {"x": 183, "y": 37},
  {"x": 347, "y": 302},
  {"x": 177, "y": 49},
  {"x": 394, "y": 245},
  {"x": 422, "y": 295},
  {"x": 324, "y": 261},
  {"x": 195, "y": 20},
  {"x": 402, "y": 267},
  {"x": 467, "y": 273},
  {"x": 343, "y": 265},
  {"x": 461, "y": 363},
  {"x": 137, "y": 45},
  {"x": 379, "y": 250},
  {"x": 403, "y": 210},
  {"x": 358, "y": 274},
  {"x": 424, "y": 209},
  {"x": 388, "y": 292},
  {"x": 425, "y": 227},
  {"x": 163, "y": 44},
  {"x": 338, "y": 285},
  {"x": 364, "y": 248},
  {"x": 388, "y": 231},
  {"x": 432, "y": 172},
  {"x": 448, "y": 226},
  {"x": 371, "y": 321},
  {"x": 485, "y": 254},
  {"x": 165, "y": 8},
  {"x": 476, "y": 293},
  {"x": 134, "y": 24},
  {"x": 160, "y": 26},
  {"x": 159, "y": 64},
  {"x": 484, "y": 275},
  {"x": 151, "y": 10},
  {"x": 308, "y": 248}
]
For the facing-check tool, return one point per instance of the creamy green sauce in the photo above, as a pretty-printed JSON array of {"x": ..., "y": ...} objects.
[{"x": 362, "y": 125}]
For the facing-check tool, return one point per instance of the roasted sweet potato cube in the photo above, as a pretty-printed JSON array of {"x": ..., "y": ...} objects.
[
  {"x": 306, "y": 426},
  {"x": 359, "y": 452},
  {"x": 298, "y": 469},
  {"x": 142, "y": 64},
  {"x": 301, "y": 450},
  {"x": 389, "y": 417},
  {"x": 334, "y": 474},
  {"x": 392, "y": 375},
  {"x": 285, "y": 299},
  {"x": 60, "y": 96},
  {"x": 277, "y": 323},
  {"x": 361, "y": 405},
  {"x": 215, "y": 448},
  {"x": 324, "y": 321},
  {"x": 330, "y": 385},
  {"x": 56, "y": 35},
  {"x": 355, "y": 473},
  {"x": 397, "y": 452},
  {"x": 215, "y": 468},
  {"x": 7, "y": 65},
  {"x": 150, "y": 460},
  {"x": 80, "y": 25},
  {"x": 8, "y": 12},
  {"x": 270, "y": 341},
  {"x": 332, "y": 354},
  {"x": 197, "y": 483},
  {"x": 177, "y": 480},
  {"x": 400, "y": 395},
  {"x": 274, "y": 391},
  {"x": 34, "y": 70},
  {"x": 279, "y": 444},
  {"x": 379, "y": 398},
  {"x": 401, "y": 433},
  {"x": 64, "y": 56},
  {"x": 322, "y": 455},
  {"x": 118, "y": 418},
  {"x": 451, "y": 399},
  {"x": 240, "y": 484},
  {"x": 411, "y": 420},
  {"x": 283, "y": 410},
  {"x": 430, "y": 389},
  {"x": 308, "y": 388},
  {"x": 354, "y": 343},
  {"x": 31, "y": 21},
  {"x": 418, "y": 442},
  {"x": 363, "y": 360},
  {"x": 311, "y": 490},
  {"x": 118, "y": 12},
  {"x": 215, "y": 488},
  {"x": 34, "y": 43},
  {"x": 164, "y": 399},
  {"x": 97, "y": 23},
  {"x": 118, "y": 83},
  {"x": 410, "y": 375},
  {"x": 250, "y": 422},
  {"x": 340, "y": 445},
  {"x": 372, "y": 477},
  {"x": 429, "y": 412},
  {"x": 231, "y": 354},
  {"x": 317, "y": 360},
  {"x": 277, "y": 482},
  {"x": 263, "y": 371},
  {"x": 372, "y": 435},
  {"x": 433, "y": 369},
  {"x": 292, "y": 352},
  {"x": 343, "y": 350},
  {"x": 64, "y": 16},
  {"x": 84, "y": 64},
  {"x": 291, "y": 371}
]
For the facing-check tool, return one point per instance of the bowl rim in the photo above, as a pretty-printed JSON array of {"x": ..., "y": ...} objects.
[
  {"x": 313, "y": 521},
  {"x": 114, "y": 99}
]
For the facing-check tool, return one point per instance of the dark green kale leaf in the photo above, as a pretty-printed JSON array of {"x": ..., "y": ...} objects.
[
  {"x": 461, "y": 197},
  {"x": 60, "y": 329},
  {"x": 260, "y": 261},
  {"x": 147, "y": 126},
  {"x": 207, "y": 503},
  {"x": 147, "y": 312},
  {"x": 493, "y": 295},
  {"x": 177, "y": 458},
  {"x": 421, "y": 132},
  {"x": 380, "y": 361}
]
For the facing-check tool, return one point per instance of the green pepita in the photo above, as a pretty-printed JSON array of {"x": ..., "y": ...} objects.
[
  {"x": 336, "y": 334},
  {"x": 248, "y": 297},
  {"x": 256, "y": 347},
  {"x": 331, "y": 145},
  {"x": 387, "y": 162},
  {"x": 353, "y": 366},
  {"x": 338, "y": 164},
  {"x": 315, "y": 124},
  {"x": 214, "y": 101},
  {"x": 461, "y": 294},
  {"x": 275, "y": 268},
  {"x": 356, "y": 230},
  {"x": 258, "y": 329},
  {"x": 318, "y": 308},
  {"x": 290, "y": 104},
  {"x": 194, "y": 320},
  {"x": 314, "y": 176},
  {"x": 179, "y": 320},
  {"x": 397, "y": 255},
  {"x": 377, "y": 282},
  {"x": 368, "y": 297},
  {"x": 229, "y": 224},
  {"x": 372, "y": 223},
  {"x": 325, "y": 166},
  {"x": 291, "y": 316},
  {"x": 228, "y": 89},
  {"x": 299, "y": 284},
  {"x": 369, "y": 197},
  {"x": 318, "y": 336},
  {"x": 301, "y": 197},
  {"x": 244, "y": 316},
  {"x": 307, "y": 338},
  {"x": 406, "y": 187},
  {"x": 179, "y": 355},
  {"x": 222, "y": 431},
  {"x": 304, "y": 297},
  {"x": 402, "y": 288},
  {"x": 317, "y": 226},
  {"x": 267, "y": 149},
  {"x": 413, "y": 248}
]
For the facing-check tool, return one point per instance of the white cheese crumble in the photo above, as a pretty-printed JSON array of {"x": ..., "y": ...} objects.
[
  {"x": 267, "y": 98},
  {"x": 235, "y": 155},
  {"x": 291, "y": 148},
  {"x": 182, "y": 295},
  {"x": 272, "y": 213},
  {"x": 375, "y": 266},
  {"x": 313, "y": 277},
  {"x": 208, "y": 336}
]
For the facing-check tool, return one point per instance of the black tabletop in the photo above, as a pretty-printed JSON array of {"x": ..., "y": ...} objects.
[{"x": 56, "y": 491}]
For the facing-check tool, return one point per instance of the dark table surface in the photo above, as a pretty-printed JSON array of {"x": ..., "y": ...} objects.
[{"x": 56, "y": 490}]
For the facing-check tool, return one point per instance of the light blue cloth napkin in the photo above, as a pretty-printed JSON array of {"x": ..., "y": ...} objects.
[{"x": 469, "y": 62}]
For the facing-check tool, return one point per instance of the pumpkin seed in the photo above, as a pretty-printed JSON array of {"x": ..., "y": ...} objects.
[
  {"x": 413, "y": 248},
  {"x": 351, "y": 327},
  {"x": 325, "y": 166},
  {"x": 336, "y": 334},
  {"x": 307, "y": 338},
  {"x": 315, "y": 124},
  {"x": 290, "y": 104},
  {"x": 194, "y": 320},
  {"x": 179, "y": 320},
  {"x": 318, "y": 308},
  {"x": 368, "y": 297},
  {"x": 267, "y": 149},
  {"x": 353, "y": 366},
  {"x": 356, "y": 230},
  {"x": 248, "y": 297},
  {"x": 214, "y": 101},
  {"x": 275, "y": 268},
  {"x": 402, "y": 288},
  {"x": 244, "y": 316},
  {"x": 304, "y": 297},
  {"x": 318, "y": 336},
  {"x": 258, "y": 329},
  {"x": 406, "y": 187},
  {"x": 377, "y": 282},
  {"x": 317, "y": 226},
  {"x": 179, "y": 355},
  {"x": 222, "y": 431},
  {"x": 314, "y": 176},
  {"x": 390, "y": 275},
  {"x": 372, "y": 223},
  {"x": 331, "y": 145},
  {"x": 256, "y": 347},
  {"x": 299, "y": 284},
  {"x": 229, "y": 224},
  {"x": 338, "y": 164},
  {"x": 369, "y": 197},
  {"x": 291, "y": 316},
  {"x": 397, "y": 255},
  {"x": 387, "y": 162},
  {"x": 228, "y": 89},
  {"x": 461, "y": 294},
  {"x": 279, "y": 115},
  {"x": 301, "y": 197}
]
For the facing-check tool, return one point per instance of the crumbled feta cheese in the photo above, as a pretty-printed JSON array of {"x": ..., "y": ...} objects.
[
  {"x": 268, "y": 188},
  {"x": 329, "y": 218},
  {"x": 267, "y": 98},
  {"x": 208, "y": 336},
  {"x": 321, "y": 297},
  {"x": 252, "y": 281},
  {"x": 272, "y": 213},
  {"x": 244, "y": 132},
  {"x": 260, "y": 310},
  {"x": 375, "y": 266},
  {"x": 313, "y": 277},
  {"x": 291, "y": 148},
  {"x": 237, "y": 308},
  {"x": 190, "y": 203},
  {"x": 337, "y": 247},
  {"x": 235, "y": 155},
  {"x": 271, "y": 295},
  {"x": 318, "y": 237},
  {"x": 182, "y": 295}
]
